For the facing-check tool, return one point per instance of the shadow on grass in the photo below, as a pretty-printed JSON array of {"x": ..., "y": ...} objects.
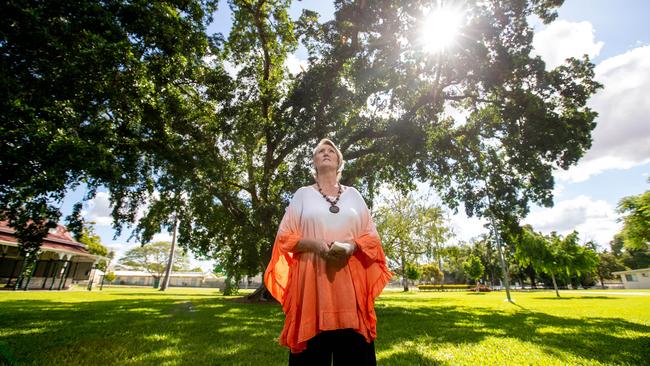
[
  {"x": 594, "y": 339},
  {"x": 146, "y": 331},
  {"x": 214, "y": 330},
  {"x": 587, "y": 297}
]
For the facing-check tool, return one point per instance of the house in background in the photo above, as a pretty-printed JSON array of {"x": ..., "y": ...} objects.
[
  {"x": 176, "y": 279},
  {"x": 180, "y": 279},
  {"x": 61, "y": 261},
  {"x": 635, "y": 278}
]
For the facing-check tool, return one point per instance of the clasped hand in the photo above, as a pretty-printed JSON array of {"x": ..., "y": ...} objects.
[{"x": 338, "y": 253}]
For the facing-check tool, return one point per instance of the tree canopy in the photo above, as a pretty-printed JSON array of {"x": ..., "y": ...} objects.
[
  {"x": 135, "y": 97},
  {"x": 555, "y": 254},
  {"x": 636, "y": 222},
  {"x": 152, "y": 258}
]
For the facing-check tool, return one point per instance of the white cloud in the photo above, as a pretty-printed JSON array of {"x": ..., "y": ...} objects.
[
  {"x": 99, "y": 210},
  {"x": 593, "y": 219},
  {"x": 162, "y": 236},
  {"x": 562, "y": 39},
  {"x": 295, "y": 65},
  {"x": 621, "y": 139},
  {"x": 466, "y": 228}
]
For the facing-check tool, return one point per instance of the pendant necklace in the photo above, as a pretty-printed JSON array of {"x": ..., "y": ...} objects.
[{"x": 333, "y": 208}]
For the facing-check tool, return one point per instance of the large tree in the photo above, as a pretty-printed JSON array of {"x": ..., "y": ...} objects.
[
  {"x": 90, "y": 93},
  {"x": 227, "y": 167}
]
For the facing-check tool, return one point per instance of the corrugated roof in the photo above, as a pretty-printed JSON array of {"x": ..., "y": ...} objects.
[{"x": 58, "y": 240}]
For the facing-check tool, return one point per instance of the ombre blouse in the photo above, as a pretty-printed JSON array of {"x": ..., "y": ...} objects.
[{"x": 317, "y": 295}]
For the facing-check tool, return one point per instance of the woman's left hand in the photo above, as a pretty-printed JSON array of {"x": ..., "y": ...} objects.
[{"x": 339, "y": 253}]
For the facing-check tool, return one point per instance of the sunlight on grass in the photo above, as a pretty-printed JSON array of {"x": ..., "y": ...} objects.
[{"x": 139, "y": 326}]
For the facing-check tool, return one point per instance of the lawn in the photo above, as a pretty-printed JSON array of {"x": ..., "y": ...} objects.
[{"x": 131, "y": 326}]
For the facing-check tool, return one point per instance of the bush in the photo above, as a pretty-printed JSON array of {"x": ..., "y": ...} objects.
[
  {"x": 446, "y": 287},
  {"x": 110, "y": 276}
]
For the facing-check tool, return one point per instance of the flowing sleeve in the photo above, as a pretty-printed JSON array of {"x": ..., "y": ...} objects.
[
  {"x": 371, "y": 257},
  {"x": 276, "y": 276}
]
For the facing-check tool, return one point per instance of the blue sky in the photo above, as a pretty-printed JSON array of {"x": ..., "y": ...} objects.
[{"x": 615, "y": 36}]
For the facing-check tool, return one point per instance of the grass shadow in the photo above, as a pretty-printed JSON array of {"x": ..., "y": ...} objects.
[{"x": 600, "y": 340}]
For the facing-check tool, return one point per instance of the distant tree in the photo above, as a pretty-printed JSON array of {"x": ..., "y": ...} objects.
[
  {"x": 554, "y": 254},
  {"x": 455, "y": 256},
  {"x": 413, "y": 272},
  {"x": 152, "y": 258},
  {"x": 607, "y": 264},
  {"x": 431, "y": 273},
  {"x": 94, "y": 245},
  {"x": 636, "y": 258},
  {"x": 110, "y": 276},
  {"x": 398, "y": 220},
  {"x": 636, "y": 222},
  {"x": 631, "y": 258},
  {"x": 474, "y": 269},
  {"x": 484, "y": 248}
]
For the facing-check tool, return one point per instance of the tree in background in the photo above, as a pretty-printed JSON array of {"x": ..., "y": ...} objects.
[
  {"x": 412, "y": 272},
  {"x": 483, "y": 248},
  {"x": 455, "y": 256},
  {"x": 91, "y": 92},
  {"x": 636, "y": 222},
  {"x": 607, "y": 263},
  {"x": 152, "y": 258},
  {"x": 94, "y": 245},
  {"x": 398, "y": 221},
  {"x": 431, "y": 273},
  {"x": 555, "y": 255},
  {"x": 140, "y": 103},
  {"x": 474, "y": 269}
]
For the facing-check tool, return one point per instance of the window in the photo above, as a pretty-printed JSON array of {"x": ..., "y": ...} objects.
[{"x": 630, "y": 278}]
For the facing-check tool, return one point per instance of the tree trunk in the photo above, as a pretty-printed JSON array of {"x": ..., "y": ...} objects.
[
  {"x": 532, "y": 276},
  {"x": 555, "y": 284},
  {"x": 405, "y": 283},
  {"x": 602, "y": 280},
  {"x": 261, "y": 294},
  {"x": 170, "y": 261}
]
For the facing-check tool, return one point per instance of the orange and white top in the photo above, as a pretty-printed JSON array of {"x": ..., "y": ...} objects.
[{"x": 317, "y": 295}]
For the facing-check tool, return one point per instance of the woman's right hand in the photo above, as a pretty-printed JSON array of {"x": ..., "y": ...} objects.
[{"x": 320, "y": 247}]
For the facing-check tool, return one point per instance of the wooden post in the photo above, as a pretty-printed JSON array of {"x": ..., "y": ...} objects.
[{"x": 67, "y": 264}]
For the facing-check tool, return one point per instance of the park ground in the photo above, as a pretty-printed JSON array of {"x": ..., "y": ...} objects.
[{"x": 142, "y": 326}]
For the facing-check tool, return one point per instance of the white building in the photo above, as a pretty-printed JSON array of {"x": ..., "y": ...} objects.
[
  {"x": 635, "y": 278},
  {"x": 177, "y": 279}
]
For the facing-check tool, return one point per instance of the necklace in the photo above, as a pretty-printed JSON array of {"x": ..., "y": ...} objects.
[{"x": 333, "y": 208}]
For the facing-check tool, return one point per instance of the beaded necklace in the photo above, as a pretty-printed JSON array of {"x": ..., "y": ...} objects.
[{"x": 333, "y": 208}]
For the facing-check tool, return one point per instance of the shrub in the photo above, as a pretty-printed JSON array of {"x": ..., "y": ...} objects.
[{"x": 446, "y": 287}]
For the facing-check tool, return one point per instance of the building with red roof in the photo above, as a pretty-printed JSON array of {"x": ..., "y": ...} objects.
[{"x": 61, "y": 261}]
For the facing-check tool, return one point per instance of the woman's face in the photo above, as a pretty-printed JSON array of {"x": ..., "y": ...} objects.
[{"x": 326, "y": 157}]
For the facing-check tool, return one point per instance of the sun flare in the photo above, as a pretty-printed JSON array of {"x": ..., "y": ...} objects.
[{"x": 440, "y": 28}]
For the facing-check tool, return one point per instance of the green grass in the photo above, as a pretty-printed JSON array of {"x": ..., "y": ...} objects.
[{"x": 139, "y": 326}]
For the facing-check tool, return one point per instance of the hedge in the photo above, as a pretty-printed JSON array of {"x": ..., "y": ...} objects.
[{"x": 447, "y": 287}]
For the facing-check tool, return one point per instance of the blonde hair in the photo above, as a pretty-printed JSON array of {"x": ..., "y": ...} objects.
[{"x": 339, "y": 169}]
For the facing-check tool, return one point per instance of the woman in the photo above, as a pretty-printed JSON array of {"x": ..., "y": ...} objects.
[{"x": 327, "y": 268}]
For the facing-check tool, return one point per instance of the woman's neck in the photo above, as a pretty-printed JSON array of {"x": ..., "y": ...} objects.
[{"x": 327, "y": 180}]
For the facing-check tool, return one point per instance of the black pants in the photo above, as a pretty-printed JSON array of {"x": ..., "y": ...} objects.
[{"x": 345, "y": 346}]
